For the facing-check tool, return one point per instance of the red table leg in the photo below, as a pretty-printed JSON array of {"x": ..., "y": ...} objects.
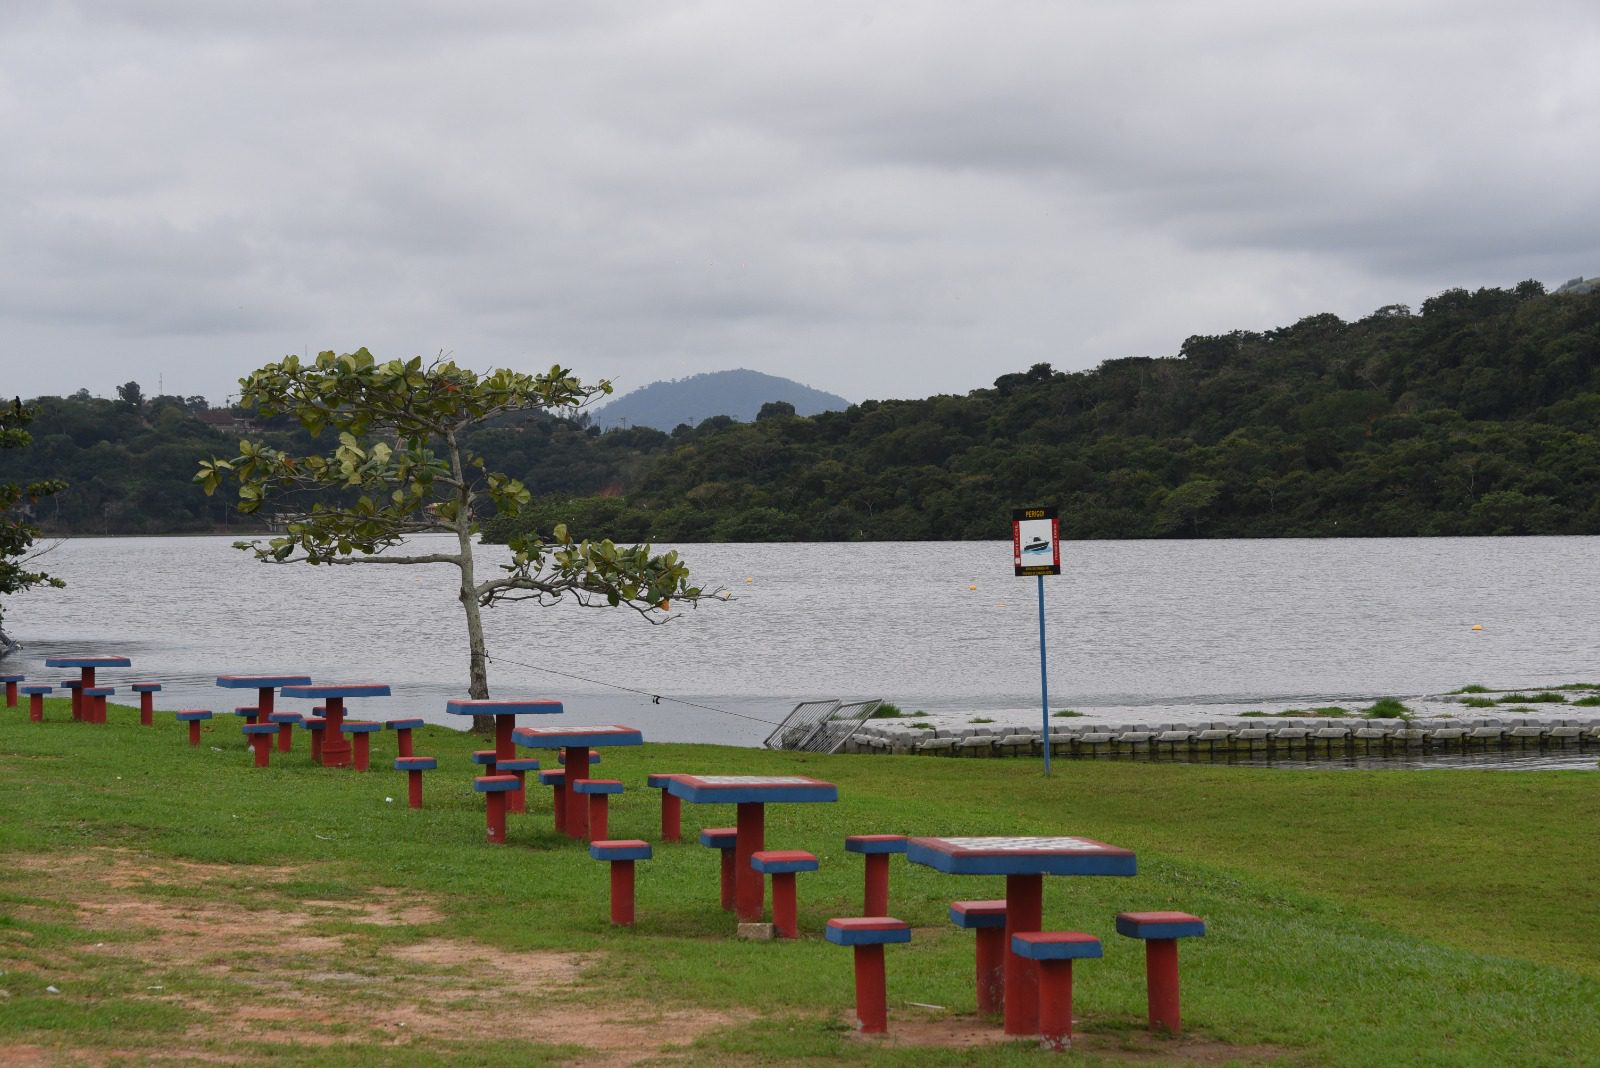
[
  {"x": 335, "y": 746},
  {"x": 1024, "y": 912},
  {"x": 749, "y": 888},
  {"x": 877, "y": 899},
  {"x": 36, "y": 707},
  {"x": 577, "y": 767},
  {"x": 671, "y": 817},
  {"x": 11, "y": 695},
  {"x": 264, "y": 707},
  {"x": 86, "y": 680}
]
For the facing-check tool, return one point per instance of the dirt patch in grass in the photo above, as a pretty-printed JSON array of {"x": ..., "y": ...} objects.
[
  {"x": 1119, "y": 1043},
  {"x": 272, "y": 974}
]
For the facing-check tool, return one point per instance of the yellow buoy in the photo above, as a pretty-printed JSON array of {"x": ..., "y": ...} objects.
[
  {"x": 748, "y": 579},
  {"x": 1477, "y": 626},
  {"x": 972, "y": 587}
]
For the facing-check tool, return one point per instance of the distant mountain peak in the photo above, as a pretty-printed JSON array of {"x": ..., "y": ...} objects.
[{"x": 738, "y": 394}]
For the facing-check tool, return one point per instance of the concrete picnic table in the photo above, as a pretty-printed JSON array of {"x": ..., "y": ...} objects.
[
  {"x": 577, "y": 741},
  {"x": 86, "y": 665},
  {"x": 335, "y": 748},
  {"x": 264, "y": 685},
  {"x": 1024, "y": 861},
  {"x": 751, "y": 793},
  {"x": 505, "y": 715}
]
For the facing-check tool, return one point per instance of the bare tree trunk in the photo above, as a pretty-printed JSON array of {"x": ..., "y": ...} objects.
[{"x": 478, "y": 653}]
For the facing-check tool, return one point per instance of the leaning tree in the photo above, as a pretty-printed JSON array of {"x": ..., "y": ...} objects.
[
  {"x": 398, "y": 467},
  {"x": 16, "y": 533}
]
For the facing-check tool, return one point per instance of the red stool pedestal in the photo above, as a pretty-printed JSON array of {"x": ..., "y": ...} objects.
[
  {"x": 1160, "y": 932},
  {"x": 260, "y": 736},
  {"x": 868, "y": 935},
  {"x": 876, "y": 848},
  {"x": 1055, "y": 951},
  {"x": 621, "y": 853},
  {"x": 494, "y": 788},
  {"x": 987, "y": 920},
  {"x": 724, "y": 839},
  {"x": 782, "y": 865}
]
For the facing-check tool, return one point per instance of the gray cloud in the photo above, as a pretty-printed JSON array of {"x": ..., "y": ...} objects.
[{"x": 880, "y": 200}]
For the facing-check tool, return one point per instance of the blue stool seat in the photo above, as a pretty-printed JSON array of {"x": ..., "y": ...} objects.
[
  {"x": 976, "y": 914},
  {"x": 361, "y": 726},
  {"x": 719, "y": 837},
  {"x": 620, "y": 849},
  {"x": 260, "y": 728},
  {"x": 191, "y": 715},
  {"x": 597, "y": 786},
  {"x": 875, "y": 843},
  {"x": 866, "y": 930},
  {"x": 415, "y": 763},
  {"x": 1153, "y": 925},
  {"x": 494, "y": 784},
  {"x": 518, "y": 764},
  {"x": 782, "y": 861},
  {"x": 483, "y": 756},
  {"x": 1055, "y": 945}
]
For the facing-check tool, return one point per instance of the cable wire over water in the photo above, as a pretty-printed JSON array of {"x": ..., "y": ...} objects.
[{"x": 655, "y": 698}]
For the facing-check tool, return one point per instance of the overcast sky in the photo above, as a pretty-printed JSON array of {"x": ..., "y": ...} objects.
[{"x": 879, "y": 198}]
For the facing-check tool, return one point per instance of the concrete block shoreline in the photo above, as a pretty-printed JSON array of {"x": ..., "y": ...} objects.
[{"x": 1304, "y": 737}]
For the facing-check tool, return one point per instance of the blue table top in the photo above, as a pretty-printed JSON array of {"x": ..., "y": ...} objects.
[
  {"x": 262, "y": 682},
  {"x": 336, "y": 689},
  {"x": 1020, "y": 856},
  {"x": 88, "y": 661},
  {"x": 472, "y": 707},
  {"x": 560, "y": 737},
  {"x": 747, "y": 789}
]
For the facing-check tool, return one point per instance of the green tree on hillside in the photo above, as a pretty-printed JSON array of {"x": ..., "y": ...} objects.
[
  {"x": 16, "y": 505},
  {"x": 398, "y": 466}
]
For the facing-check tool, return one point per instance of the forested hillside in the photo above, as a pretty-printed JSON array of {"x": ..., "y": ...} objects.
[{"x": 1477, "y": 414}]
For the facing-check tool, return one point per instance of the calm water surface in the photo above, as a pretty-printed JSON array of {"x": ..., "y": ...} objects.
[{"x": 1154, "y": 629}]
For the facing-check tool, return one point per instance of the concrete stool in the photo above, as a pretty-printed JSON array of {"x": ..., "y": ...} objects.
[
  {"x": 783, "y": 865},
  {"x": 36, "y": 701},
  {"x": 1161, "y": 931},
  {"x": 314, "y": 726},
  {"x": 193, "y": 717},
  {"x": 94, "y": 702},
  {"x": 621, "y": 852},
  {"x": 519, "y": 767},
  {"x": 414, "y": 766},
  {"x": 876, "y": 848},
  {"x": 988, "y": 920},
  {"x": 287, "y": 722},
  {"x": 723, "y": 838},
  {"x": 597, "y": 791},
  {"x": 74, "y": 688},
  {"x": 494, "y": 788},
  {"x": 147, "y": 701},
  {"x": 11, "y": 682},
  {"x": 671, "y": 808},
  {"x": 868, "y": 935},
  {"x": 556, "y": 779},
  {"x": 361, "y": 732},
  {"x": 1055, "y": 951},
  {"x": 260, "y": 738},
  {"x": 402, "y": 732}
]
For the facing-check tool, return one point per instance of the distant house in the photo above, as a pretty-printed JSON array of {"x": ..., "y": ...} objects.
[{"x": 227, "y": 421}]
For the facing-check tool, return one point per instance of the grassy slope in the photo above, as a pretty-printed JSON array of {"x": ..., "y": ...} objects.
[{"x": 1356, "y": 919}]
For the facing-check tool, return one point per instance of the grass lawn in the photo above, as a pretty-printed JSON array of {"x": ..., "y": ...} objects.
[{"x": 161, "y": 903}]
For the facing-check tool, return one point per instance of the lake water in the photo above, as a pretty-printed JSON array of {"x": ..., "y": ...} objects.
[{"x": 1137, "y": 630}]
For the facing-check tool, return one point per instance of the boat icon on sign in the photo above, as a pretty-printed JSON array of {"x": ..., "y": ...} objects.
[{"x": 1037, "y": 545}]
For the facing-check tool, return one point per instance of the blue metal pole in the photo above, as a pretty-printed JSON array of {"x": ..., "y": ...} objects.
[{"x": 1044, "y": 681}]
